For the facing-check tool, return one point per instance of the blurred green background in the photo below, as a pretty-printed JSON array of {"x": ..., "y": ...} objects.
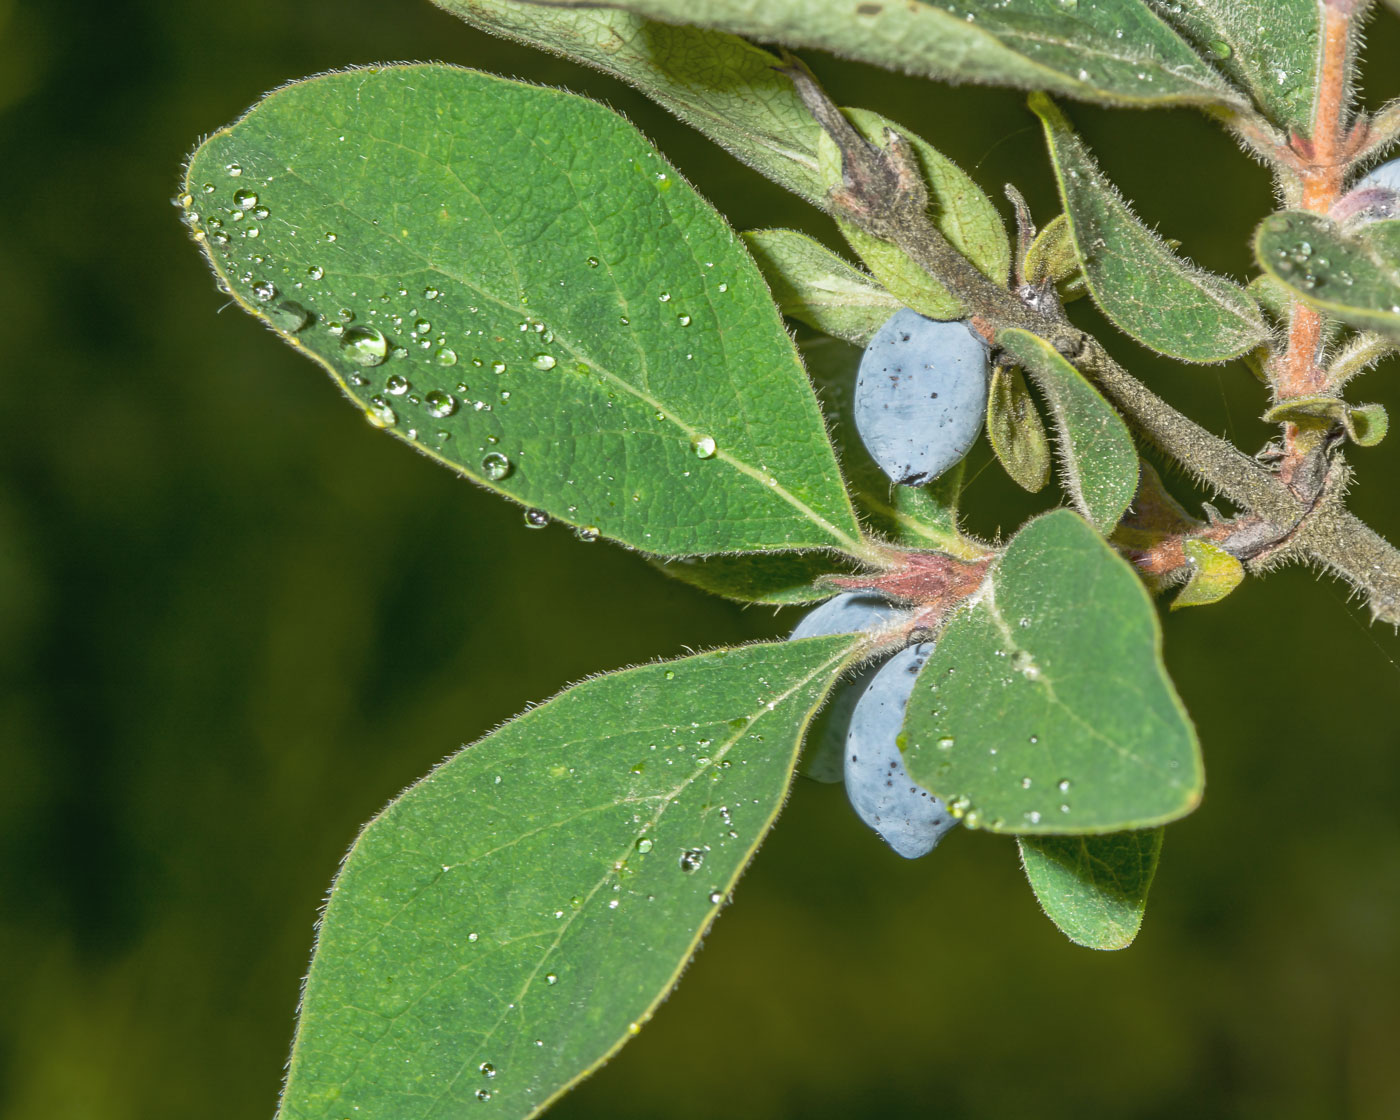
[{"x": 234, "y": 621}]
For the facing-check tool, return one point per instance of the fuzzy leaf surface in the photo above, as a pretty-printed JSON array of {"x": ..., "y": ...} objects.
[
  {"x": 717, "y": 83},
  {"x": 1271, "y": 48},
  {"x": 778, "y": 578},
  {"x": 458, "y": 218},
  {"x": 1354, "y": 279},
  {"x": 816, "y": 286},
  {"x": 1118, "y": 52},
  {"x": 1056, "y": 666},
  {"x": 1098, "y": 459},
  {"x": 511, "y": 920},
  {"x": 1163, "y": 301},
  {"x": 1094, "y": 888}
]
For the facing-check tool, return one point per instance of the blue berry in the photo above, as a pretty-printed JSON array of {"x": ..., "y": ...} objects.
[
  {"x": 909, "y": 818},
  {"x": 921, "y": 395}
]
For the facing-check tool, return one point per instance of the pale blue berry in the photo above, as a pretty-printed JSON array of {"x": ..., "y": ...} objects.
[{"x": 921, "y": 395}]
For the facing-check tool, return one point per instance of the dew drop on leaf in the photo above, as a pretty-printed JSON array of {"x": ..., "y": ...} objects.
[{"x": 495, "y": 466}]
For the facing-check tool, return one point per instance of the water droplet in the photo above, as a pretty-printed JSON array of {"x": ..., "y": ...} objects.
[
  {"x": 670, "y": 674},
  {"x": 234, "y": 170},
  {"x": 683, "y": 320},
  {"x": 487, "y": 1069},
  {"x": 716, "y": 898},
  {"x": 440, "y": 404},
  {"x": 1063, "y": 785},
  {"x": 587, "y": 533},
  {"x": 472, "y": 936},
  {"x": 330, "y": 236},
  {"x": 397, "y": 386},
  {"x": 483, "y": 1094},
  {"x": 946, "y": 743},
  {"x": 495, "y": 466},
  {"x": 592, "y": 262},
  {"x": 664, "y": 297},
  {"x": 381, "y": 414},
  {"x": 691, "y": 859},
  {"x": 536, "y": 519},
  {"x": 498, "y": 367},
  {"x": 446, "y": 357},
  {"x": 551, "y": 978},
  {"x": 245, "y": 199},
  {"x": 364, "y": 346},
  {"x": 289, "y": 316},
  {"x": 431, "y": 293},
  {"x": 644, "y": 845},
  {"x": 544, "y": 361},
  {"x": 315, "y": 272},
  {"x": 703, "y": 446}
]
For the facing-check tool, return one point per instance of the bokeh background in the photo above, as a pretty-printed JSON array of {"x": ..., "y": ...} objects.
[{"x": 234, "y": 621}]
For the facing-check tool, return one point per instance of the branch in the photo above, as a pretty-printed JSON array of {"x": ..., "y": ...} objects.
[{"x": 883, "y": 193}]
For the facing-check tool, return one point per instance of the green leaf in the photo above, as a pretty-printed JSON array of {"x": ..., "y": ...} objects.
[
  {"x": 916, "y": 517},
  {"x": 1045, "y": 707},
  {"x": 546, "y": 307},
  {"x": 1015, "y": 431},
  {"x": 1051, "y": 257},
  {"x": 1150, "y": 293},
  {"x": 1354, "y": 279},
  {"x": 1272, "y": 48},
  {"x": 1365, "y": 424},
  {"x": 774, "y": 577},
  {"x": 1098, "y": 460},
  {"x": 957, "y": 206},
  {"x": 815, "y": 286},
  {"x": 724, "y": 87},
  {"x": 1094, "y": 888},
  {"x": 1116, "y": 52},
  {"x": 1214, "y": 574},
  {"x": 508, "y": 923}
]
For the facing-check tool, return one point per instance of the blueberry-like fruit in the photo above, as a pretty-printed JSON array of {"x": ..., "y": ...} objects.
[
  {"x": 909, "y": 818},
  {"x": 847, "y": 613},
  {"x": 921, "y": 395},
  {"x": 1386, "y": 176}
]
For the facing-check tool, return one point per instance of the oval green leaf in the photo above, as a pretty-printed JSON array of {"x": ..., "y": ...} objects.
[
  {"x": 512, "y": 280},
  {"x": 1094, "y": 888},
  {"x": 513, "y": 919},
  {"x": 1098, "y": 459},
  {"x": 1015, "y": 431},
  {"x": 1045, "y": 707},
  {"x": 1163, "y": 301}
]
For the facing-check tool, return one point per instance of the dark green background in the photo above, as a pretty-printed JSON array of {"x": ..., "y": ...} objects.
[{"x": 234, "y": 621}]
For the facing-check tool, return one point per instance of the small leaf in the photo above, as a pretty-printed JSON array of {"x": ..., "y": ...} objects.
[
  {"x": 1119, "y": 53},
  {"x": 1015, "y": 430},
  {"x": 957, "y": 206},
  {"x": 1094, "y": 888},
  {"x": 1367, "y": 424},
  {"x": 916, "y": 517},
  {"x": 1056, "y": 666},
  {"x": 1051, "y": 255},
  {"x": 511, "y": 921},
  {"x": 1272, "y": 48},
  {"x": 1166, "y": 303},
  {"x": 549, "y": 310},
  {"x": 1354, "y": 279},
  {"x": 815, "y": 286},
  {"x": 1214, "y": 574},
  {"x": 1098, "y": 460},
  {"x": 716, "y": 83}
]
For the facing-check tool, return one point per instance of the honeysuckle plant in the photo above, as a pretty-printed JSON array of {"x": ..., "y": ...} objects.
[{"x": 514, "y": 282}]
